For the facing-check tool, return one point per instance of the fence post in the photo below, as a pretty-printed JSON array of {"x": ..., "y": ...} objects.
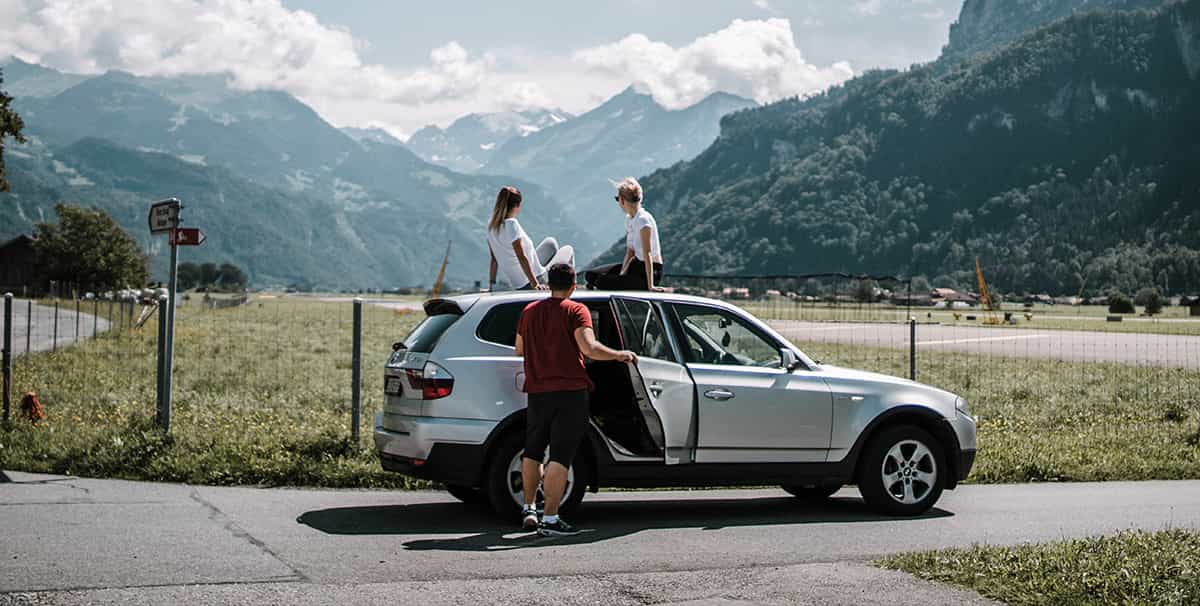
[
  {"x": 356, "y": 373},
  {"x": 162, "y": 409},
  {"x": 6, "y": 354},
  {"x": 77, "y": 320},
  {"x": 54, "y": 343},
  {"x": 912, "y": 348},
  {"x": 28, "y": 323},
  {"x": 95, "y": 317}
]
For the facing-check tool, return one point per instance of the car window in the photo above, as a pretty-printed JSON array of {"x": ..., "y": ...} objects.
[
  {"x": 425, "y": 336},
  {"x": 642, "y": 329},
  {"x": 499, "y": 325},
  {"x": 716, "y": 336}
]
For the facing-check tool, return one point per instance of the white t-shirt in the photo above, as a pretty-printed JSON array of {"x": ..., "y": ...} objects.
[
  {"x": 633, "y": 235},
  {"x": 509, "y": 268}
]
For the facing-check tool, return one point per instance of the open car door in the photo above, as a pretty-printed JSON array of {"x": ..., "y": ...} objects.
[{"x": 665, "y": 392}]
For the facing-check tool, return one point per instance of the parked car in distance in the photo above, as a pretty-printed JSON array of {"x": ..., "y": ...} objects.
[{"x": 716, "y": 398}]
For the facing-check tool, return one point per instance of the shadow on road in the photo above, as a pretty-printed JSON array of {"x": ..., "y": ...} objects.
[{"x": 601, "y": 520}]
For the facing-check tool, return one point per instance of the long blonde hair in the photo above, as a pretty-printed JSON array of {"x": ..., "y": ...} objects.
[{"x": 508, "y": 198}]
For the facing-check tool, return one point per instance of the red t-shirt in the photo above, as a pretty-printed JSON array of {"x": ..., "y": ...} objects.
[{"x": 553, "y": 361}]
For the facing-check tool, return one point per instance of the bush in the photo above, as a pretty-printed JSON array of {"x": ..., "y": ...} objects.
[
  {"x": 1150, "y": 299},
  {"x": 1118, "y": 303}
]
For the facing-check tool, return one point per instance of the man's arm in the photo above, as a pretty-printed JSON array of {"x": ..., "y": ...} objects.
[
  {"x": 520, "y": 347},
  {"x": 585, "y": 338}
]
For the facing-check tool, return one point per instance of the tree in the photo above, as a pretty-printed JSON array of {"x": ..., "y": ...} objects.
[
  {"x": 10, "y": 126},
  {"x": 1118, "y": 303},
  {"x": 188, "y": 276},
  {"x": 86, "y": 247},
  {"x": 209, "y": 275},
  {"x": 865, "y": 291},
  {"x": 1150, "y": 299},
  {"x": 232, "y": 277}
]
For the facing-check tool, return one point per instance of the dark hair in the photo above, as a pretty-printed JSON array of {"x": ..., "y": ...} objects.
[
  {"x": 560, "y": 276},
  {"x": 508, "y": 197}
]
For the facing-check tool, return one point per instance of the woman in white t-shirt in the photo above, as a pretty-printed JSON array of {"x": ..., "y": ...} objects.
[
  {"x": 514, "y": 257},
  {"x": 643, "y": 264}
]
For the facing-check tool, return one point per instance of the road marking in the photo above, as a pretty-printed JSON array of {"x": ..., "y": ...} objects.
[{"x": 981, "y": 339}]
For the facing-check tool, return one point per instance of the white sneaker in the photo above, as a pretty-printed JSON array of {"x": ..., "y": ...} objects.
[{"x": 529, "y": 518}]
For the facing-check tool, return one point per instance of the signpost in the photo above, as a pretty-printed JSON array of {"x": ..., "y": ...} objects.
[{"x": 164, "y": 218}]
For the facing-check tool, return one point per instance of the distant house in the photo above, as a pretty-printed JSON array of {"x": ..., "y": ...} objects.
[
  {"x": 16, "y": 265},
  {"x": 948, "y": 296}
]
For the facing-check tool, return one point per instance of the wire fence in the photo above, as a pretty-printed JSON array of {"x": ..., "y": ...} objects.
[{"x": 275, "y": 359}]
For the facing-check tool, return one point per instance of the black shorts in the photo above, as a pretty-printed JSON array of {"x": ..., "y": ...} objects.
[{"x": 557, "y": 419}]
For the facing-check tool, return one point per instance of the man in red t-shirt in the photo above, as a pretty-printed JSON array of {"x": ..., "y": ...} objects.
[{"x": 554, "y": 335}]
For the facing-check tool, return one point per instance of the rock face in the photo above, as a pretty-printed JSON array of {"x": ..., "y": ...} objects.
[{"x": 986, "y": 25}]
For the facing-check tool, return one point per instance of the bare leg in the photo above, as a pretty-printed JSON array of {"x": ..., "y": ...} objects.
[
  {"x": 554, "y": 486},
  {"x": 531, "y": 476}
]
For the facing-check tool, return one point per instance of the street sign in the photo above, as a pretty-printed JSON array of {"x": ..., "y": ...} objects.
[
  {"x": 187, "y": 236},
  {"x": 164, "y": 216}
]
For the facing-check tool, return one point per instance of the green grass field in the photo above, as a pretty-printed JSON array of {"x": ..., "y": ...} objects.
[
  {"x": 262, "y": 396},
  {"x": 1129, "y": 568}
]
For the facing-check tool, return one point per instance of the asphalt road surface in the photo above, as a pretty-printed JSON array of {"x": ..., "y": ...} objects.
[
  {"x": 39, "y": 322},
  {"x": 1176, "y": 351},
  {"x": 68, "y": 541}
]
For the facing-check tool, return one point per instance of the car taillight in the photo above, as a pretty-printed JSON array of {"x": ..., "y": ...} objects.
[{"x": 433, "y": 381}]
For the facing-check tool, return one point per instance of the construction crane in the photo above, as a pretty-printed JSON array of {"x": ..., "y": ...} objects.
[
  {"x": 437, "y": 285},
  {"x": 985, "y": 298}
]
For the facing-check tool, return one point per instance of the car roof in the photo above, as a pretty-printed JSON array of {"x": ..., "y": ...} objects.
[{"x": 517, "y": 296}]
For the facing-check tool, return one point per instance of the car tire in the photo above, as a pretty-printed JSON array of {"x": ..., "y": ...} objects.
[
  {"x": 902, "y": 471},
  {"x": 500, "y": 477},
  {"x": 466, "y": 494},
  {"x": 811, "y": 492}
]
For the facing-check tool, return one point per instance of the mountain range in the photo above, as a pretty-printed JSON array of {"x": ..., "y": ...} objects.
[
  {"x": 578, "y": 157},
  {"x": 1063, "y": 157},
  {"x": 278, "y": 190},
  {"x": 470, "y": 142}
]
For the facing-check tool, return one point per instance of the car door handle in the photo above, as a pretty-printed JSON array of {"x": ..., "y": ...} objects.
[
  {"x": 719, "y": 395},
  {"x": 656, "y": 389}
]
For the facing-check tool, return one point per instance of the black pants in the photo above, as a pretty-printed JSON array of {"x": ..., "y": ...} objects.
[
  {"x": 609, "y": 277},
  {"x": 557, "y": 419}
]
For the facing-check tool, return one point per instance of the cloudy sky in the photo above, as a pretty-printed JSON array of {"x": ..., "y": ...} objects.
[{"x": 403, "y": 64}]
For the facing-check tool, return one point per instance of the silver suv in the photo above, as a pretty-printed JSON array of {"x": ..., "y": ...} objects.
[{"x": 716, "y": 398}]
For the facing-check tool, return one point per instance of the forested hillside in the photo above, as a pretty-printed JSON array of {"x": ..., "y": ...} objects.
[{"x": 1065, "y": 160}]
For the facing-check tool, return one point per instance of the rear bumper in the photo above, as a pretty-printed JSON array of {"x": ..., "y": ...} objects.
[{"x": 433, "y": 448}]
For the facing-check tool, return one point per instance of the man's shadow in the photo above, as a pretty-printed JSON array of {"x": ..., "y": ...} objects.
[{"x": 600, "y": 520}]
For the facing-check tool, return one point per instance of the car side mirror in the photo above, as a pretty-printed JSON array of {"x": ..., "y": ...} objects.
[{"x": 788, "y": 359}]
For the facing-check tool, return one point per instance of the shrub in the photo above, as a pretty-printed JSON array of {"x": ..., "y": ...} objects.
[
  {"x": 1150, "y": 299},
  {"x": 1118, "y": 303}
]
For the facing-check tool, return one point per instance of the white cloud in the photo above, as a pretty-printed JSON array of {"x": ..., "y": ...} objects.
[
  {"x": 868, "y": 7},
  {"x": 259, "y": 43},
  {"x": 763, "y": 4},
  {"x": 757, "y": 59}
]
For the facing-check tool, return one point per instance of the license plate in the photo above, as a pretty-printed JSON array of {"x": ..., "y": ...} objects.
[{"x": 392, "y": 386}]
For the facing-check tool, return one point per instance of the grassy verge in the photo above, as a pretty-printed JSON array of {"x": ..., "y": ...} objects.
[
  {"x": 1129, "y": 568},
  {"x": 262, "y": 397}
]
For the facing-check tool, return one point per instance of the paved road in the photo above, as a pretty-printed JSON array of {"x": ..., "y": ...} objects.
[
  {"x": 1176, "y": 351},
  {"x": 40, "y": 325},
  {"x": 87, "y": 541}
]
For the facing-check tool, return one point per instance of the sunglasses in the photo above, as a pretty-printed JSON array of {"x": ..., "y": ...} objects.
[{"x": 617, "y": 198}]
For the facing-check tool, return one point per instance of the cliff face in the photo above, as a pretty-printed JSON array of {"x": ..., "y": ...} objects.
[{"x": 986, "y": 25}]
